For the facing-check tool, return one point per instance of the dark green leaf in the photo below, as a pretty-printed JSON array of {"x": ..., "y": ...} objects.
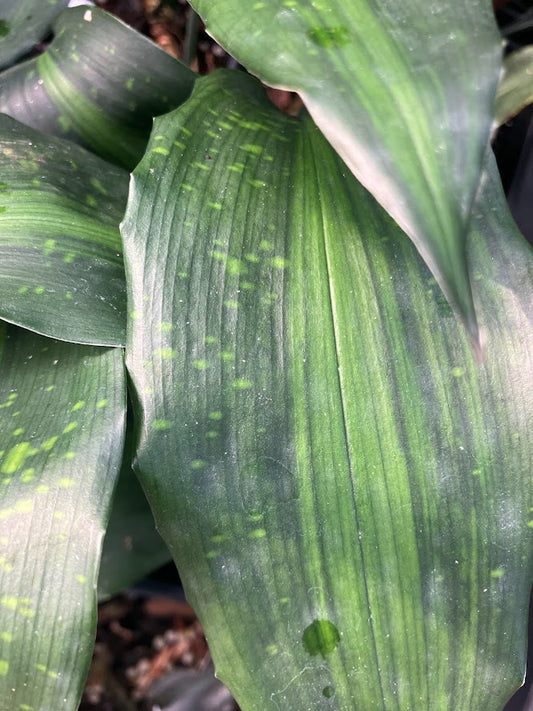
[
  {"x": 99, "y": 83},
  {"x": 61, "y": 272},
  {"x": 403, "y": 90},
  {"x": 345, "y": 491},
  {"x": 62, "y": 423},
  {"x": 132, "y": 546},
  {"x": 24, "y": 23}
]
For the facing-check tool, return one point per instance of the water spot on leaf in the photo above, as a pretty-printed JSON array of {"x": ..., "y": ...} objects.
[
  {"x": 4, "y": 28},
  {"x": 320, "y": 637},
  {"x": 328, "y": 692}
]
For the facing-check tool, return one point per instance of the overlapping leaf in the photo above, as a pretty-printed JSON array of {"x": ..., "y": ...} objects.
[
  {"x": 62, "y": 423},
  {"x": 61, "y": 270},
  {"x": 403, "y": 90},
  {"x": 346, "y": 493},
  {"x": 515, "y": 91},
  {"x": 99, "y": 83},
  {"x": 23, "y": 24}
]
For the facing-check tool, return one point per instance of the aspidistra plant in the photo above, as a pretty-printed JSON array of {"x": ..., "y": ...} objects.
[{"x": 340, "y": 469}]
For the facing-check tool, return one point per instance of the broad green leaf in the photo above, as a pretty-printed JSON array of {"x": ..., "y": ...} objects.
[
  {"x": 515, "y": 91},
  {"x": 132, "y": 547},
  {"x": 24, "y": 23},
  {"x": 61, "y": 272},
  {"x": 403, "y": 90},
  {"x": 62, "y": 423},
  {"x": 346, "y": 493},
  {"x": 99, "y": 83}
]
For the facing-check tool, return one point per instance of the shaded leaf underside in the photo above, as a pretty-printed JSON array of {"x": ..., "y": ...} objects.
[
  {"x": 348, "y": 514},
  {"x": 23, "y": 24},
  {"x": 402, "y": 90},
  {"x": 62, "y": 422}
]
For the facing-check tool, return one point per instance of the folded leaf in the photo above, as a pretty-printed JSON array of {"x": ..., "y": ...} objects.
[
  {"x": 61, "y": 272},
  {"x": 23, "y": 24},
  {"x": 99, "y": 83},
  {"x": 403, "y": 90},
  {"x": 345, "y": 491},
  {"x": 62, "y": 422}
]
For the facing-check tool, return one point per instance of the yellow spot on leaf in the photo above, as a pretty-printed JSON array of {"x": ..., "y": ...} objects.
[
  {"x": 71, "y": 426},
  {"x": 200, "y": 364},
  {"x": 81, "y": 578},
  {"x": 197, "y": 464},
  {"x": 15, "y": 458},
  {"x": 242, "y": 384},
  {"x": 78, "y": 406},
  {"x": 257, "y": 533},
  {"x": 162, "y": 425},
  {"x": 4, "y": 667},
  {"x": 66, "y": 482},
  {"x": 48, "y": 444},
  {"x": 165, "y": 353}
]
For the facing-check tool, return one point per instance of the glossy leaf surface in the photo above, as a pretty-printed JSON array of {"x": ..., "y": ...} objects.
[
  {"x": 61, "y": 271},
  {"x": 62, "y": 423},
  {"x": 345, "y": 491},
  {"x": 403, "y": 90},
  {"x": 99, "y": 83},
  {"x": 24, "y": 23}
]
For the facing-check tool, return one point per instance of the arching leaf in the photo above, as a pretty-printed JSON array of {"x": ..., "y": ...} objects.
[
  {"x": 345, "y": 491},
  {"x": 61, "y": 271},
  {"x": 403, "y": 90},
  {"x": 99, "y": 83}
]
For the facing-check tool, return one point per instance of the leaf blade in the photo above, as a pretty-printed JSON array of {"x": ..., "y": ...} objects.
[
  {"x": 62, "y": 273},
  {"x": 328, "y": 476},
  {"x": 62, "y": 418},
  {"x": 401, "y": 91},
  {"x": 68, "y": 91}
]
